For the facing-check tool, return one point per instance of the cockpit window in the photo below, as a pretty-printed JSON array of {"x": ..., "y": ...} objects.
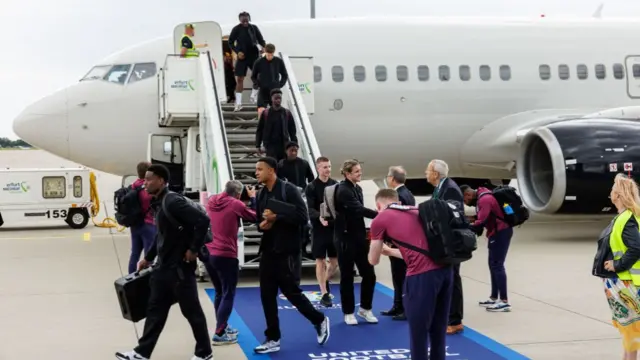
[
  {"x": 118, "y": 74},
  {"x": 97, "y": 72},
  {"x": 142, "y": 71}
]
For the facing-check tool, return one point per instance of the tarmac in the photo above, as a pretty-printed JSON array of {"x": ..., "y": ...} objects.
[{"x": 57, "y": 298}]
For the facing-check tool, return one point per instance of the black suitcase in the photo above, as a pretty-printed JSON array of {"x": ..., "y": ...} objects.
[{"x": 133, "y": 294}]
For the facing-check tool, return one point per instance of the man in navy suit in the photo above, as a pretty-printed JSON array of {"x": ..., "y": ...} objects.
[
  {"x": 447, "y": 189},
  {"x": 396, "y": 178}
]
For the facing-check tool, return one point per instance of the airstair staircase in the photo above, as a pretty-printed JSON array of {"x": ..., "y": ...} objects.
[{"x": 226, "y": 138}]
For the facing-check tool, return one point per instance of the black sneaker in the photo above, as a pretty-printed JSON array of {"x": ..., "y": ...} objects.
[
  {"x": 326, "y": 300},
  {"x": 323, "y": 331}
]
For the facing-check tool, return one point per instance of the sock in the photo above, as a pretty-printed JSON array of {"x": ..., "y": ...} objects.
[
  {"x": 221, "y": 330},
  {"x": 238, "y": 98}
]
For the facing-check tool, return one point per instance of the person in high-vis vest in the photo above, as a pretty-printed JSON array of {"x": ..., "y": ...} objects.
[
  {"x": 618, "y": 262},
  {"x": 189, "y": 48}
]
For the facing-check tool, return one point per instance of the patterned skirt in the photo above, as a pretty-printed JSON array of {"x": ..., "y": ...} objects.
[{"x": 624, "y": 301}]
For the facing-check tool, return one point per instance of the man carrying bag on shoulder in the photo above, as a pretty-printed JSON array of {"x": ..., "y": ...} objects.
[{"x": 182, "y": 229}]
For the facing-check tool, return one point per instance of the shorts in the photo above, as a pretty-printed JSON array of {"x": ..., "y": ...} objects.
[
  {"x": 242, "y": 66},
  {"x": 264, "y": 98},
  {"x": 322, "y": 246}
]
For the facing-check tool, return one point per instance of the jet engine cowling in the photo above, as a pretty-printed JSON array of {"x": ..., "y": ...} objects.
[{"x": 568, "y": 167}]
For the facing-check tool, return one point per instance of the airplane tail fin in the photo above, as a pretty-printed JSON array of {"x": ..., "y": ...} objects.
[{"x": 598, "y": 13}]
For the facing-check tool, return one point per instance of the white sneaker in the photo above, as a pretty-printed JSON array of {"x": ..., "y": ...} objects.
[
  {"x": 254, "y": 96},
  {"x": 237, "y": 108},
  {"x": 210, "y": 357},
  {"x": 368, "y": 316},
  {"x": 350, "y": 319},
  {"x": 499, "y": 306},
  {"x": 323, "y": 331},
  {"x": 131, "y": 355},
  {"x": 268, "y": 346}
]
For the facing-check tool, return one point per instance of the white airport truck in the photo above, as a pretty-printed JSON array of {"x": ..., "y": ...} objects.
[{"x": 45, "y": 195}]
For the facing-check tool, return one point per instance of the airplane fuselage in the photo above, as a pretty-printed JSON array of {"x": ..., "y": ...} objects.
[{"x": 483, "y": 84}]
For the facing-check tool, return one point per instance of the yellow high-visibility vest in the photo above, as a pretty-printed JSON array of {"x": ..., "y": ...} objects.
[
  {"x": 192, "y": 52},
  {"x": 619, "y": 248}
]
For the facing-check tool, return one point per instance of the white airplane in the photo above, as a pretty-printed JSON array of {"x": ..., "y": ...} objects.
[{"x": 494, "y": 98}]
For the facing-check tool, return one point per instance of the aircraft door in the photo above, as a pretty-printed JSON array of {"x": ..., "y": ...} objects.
[
  {"x": 168, "y": 151},
  {"x": 303, "y": 69},
  {"x": 632, "y": 65},
  {"x": 208, "y": 37}
]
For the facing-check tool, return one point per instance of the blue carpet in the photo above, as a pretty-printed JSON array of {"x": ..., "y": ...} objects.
[{"x": 386, "y": 340}]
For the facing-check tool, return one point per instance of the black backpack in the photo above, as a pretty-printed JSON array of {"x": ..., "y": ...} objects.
[
  {"x": 203, "y": 254},
  {"x": 128, "y": 209},
  {"x": 447, "y": 230},
  {"x": 506, "y": 195}
]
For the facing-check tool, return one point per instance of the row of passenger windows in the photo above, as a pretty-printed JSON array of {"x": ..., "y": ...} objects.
[
  {"x": 582, "y": 71},
  {"x": 465, "y": 72},
  {"x": 122, "y": 73},
  {"x": 402, "y": 73},
  {"x": 131, "y": 73}
]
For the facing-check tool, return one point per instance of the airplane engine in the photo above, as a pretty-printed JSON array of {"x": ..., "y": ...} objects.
[{"x": 568, "y": 167}]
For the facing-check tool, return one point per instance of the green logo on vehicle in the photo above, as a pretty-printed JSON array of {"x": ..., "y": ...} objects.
[{"x": 16, "y": 187}]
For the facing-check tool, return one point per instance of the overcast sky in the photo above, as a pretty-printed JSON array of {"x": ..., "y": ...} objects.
[{"x": 51, "y": 43}]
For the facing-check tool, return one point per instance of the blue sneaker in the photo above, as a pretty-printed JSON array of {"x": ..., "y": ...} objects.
[
  {"x": 224, "y": 340},
  {"x": 231, "y": 331}
]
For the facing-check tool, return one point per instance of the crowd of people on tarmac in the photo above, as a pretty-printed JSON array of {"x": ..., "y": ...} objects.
[
  {"x": 175, "y": 232},
  {"x": 424, "y": 289}
]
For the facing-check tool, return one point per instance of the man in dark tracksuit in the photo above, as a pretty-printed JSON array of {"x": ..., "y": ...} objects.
[
  {"x": 276, "y": 127},
  {"x": 268, "y": 73},
  {"x": 352, "y": 244},
  {"x": 395, "y": 180},
  {"x": 243, "y": 40},
  {"x": 294, "y": 169},
  {"x": 447, "y": 189},
  {"x": 174, "y": 277},
  {"x": 281, "y": 214}
]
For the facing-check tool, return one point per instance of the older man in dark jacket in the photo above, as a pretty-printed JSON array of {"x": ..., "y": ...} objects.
[
  {"x": 447, "y": 189},
  {"x": 395, "y": 180}
]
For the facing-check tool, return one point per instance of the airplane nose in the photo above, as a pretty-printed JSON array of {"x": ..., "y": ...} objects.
[{"x": 43, "y": 124}]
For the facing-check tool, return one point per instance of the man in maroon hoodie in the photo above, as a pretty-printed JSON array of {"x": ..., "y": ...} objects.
[
  {"x": 225, "y": 211},
  {"x": 499, "y": 234},
  {"x": 143, "y": 235}
]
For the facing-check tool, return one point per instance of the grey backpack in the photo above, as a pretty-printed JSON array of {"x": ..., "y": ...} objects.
[{"x": 328, "y": 207}]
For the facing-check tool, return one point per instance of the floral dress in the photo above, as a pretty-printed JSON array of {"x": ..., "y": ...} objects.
[{"x": 624, "y": 300}]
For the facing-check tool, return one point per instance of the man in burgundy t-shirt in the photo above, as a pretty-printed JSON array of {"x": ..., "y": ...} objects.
[{"x": 427, "y": 286}]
